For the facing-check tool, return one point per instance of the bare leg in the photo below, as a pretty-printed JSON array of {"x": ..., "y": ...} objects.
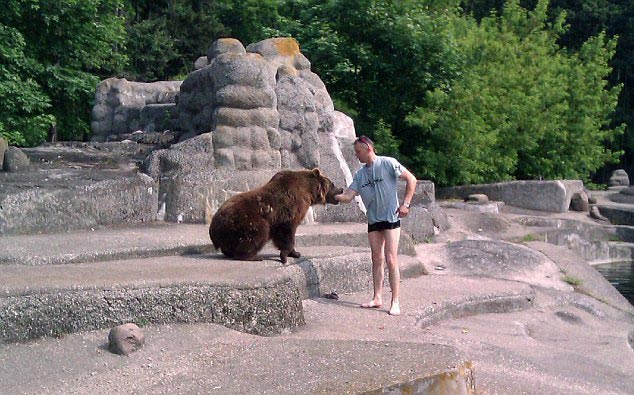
[
  {"x": 377, "y": 241},
  {"x": 392, "y": 237}
]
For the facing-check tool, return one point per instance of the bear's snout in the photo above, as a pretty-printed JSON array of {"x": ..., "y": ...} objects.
[{"x": 330, "y": 196}]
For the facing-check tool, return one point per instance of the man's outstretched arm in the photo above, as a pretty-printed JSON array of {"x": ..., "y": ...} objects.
[{"x": 347, "y": 196}]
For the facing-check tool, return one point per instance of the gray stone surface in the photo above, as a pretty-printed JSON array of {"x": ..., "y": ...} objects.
[
  {"x": 77, "y": 186},
  {"x": 445, "y": 330},
  {"x": 15, "y": 160},
  {"x": 3, "y": 148},
  {"x": 478, "y": 198},
  {"x": 619, "y": 177},
  {"x": 201, "y": 62},
  {"x": 618, "y": 215},
  {"x": 125, "y": 339},
  {"x": 595, "y": 213},
  {"x": 551, "y": 196},
  {"x": 119, "y": 104},
  {"x": 579, "y": 202},
  {"x": 490, "y": 207},
  {"x": 225, "y": 45},
  {"x": 499, "y": 259},
  {"x": 84, "y": 204},
  {"x": 253, "y": 297},
  {"x": 419, "y": 224}
]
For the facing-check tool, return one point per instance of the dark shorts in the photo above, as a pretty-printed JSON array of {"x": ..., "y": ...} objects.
[{"x": 383, "y": 225}]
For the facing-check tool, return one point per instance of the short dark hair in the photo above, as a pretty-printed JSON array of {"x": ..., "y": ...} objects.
[{"x": 365, "y": 140}]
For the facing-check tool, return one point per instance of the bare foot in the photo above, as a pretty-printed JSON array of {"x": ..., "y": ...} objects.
[
  {"x": 395, "y": 309},
  {"x": 371, "y": 305}
]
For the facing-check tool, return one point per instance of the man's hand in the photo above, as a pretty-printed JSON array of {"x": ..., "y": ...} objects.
[
  {"x": 402, "y": 211},
  {"x": 346, "y": 197}
]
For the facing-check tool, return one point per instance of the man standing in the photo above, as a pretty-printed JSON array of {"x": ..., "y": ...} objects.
[{"x": 376, "y": 183}]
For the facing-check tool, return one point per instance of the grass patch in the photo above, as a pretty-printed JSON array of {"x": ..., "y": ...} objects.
[
  {"x": 141, "y": 322},
  {"x": 530, "y": 237},
  {"x": 595, "y": 187},
  {"x": 572, "y": 280},
  {"x": 612, "y": 238}
]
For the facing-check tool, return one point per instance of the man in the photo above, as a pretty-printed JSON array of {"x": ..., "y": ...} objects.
[{"x": 376, "y": 183}]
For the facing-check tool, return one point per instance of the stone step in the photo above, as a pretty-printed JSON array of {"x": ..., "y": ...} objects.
[
  {"x": 71, "y": 199},
  {"x": 254, "y": 297},
  {"x": 157, "y": 239},
  {"x": 618, "y": 214}
]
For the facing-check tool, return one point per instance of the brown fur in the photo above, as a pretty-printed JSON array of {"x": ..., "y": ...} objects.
[{"x": 247, "y": 221}]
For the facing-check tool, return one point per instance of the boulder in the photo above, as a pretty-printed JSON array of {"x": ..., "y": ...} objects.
[
  {"x": 225, "y": 45},
  {"x": 619, "y": 177},
  {"x": 4, "y": 146},
  {"x": 119, "y": 104},
  {"x": 477, "y": 198},
  {"x": 596, "y": 214},
  {"x": 580, "y": 201},
  {"x": 551, "y": 195},
  {"x": 125, "y": 339},
  {"x": 201, "y": 62},
  {"x": 15, "y": 160}
]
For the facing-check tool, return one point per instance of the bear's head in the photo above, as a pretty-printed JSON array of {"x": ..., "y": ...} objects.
[{"x": 326, "y": 189}]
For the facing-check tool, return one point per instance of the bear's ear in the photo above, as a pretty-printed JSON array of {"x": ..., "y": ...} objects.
[{"x": 317, "y": 172}]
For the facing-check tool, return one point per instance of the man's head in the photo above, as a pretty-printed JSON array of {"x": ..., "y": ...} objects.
[{"x": 364, "y": 149}]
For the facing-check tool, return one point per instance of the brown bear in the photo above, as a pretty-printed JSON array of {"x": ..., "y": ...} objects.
[{"x": 247, "y": 221}]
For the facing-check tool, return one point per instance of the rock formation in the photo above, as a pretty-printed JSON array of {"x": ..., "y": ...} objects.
[{"x": 244, "y": 114}]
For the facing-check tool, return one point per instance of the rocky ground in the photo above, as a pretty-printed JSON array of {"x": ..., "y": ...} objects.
[{"x": 494, "y": 301}]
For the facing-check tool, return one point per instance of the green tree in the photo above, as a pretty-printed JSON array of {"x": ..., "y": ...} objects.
[
  {"x": 378, "y": 58},
  {"x": 165, "y": 37},
  {"x": 69, "y": 43},
  {"x": 25, "y": 114},
  {"x": 585, "y": 19},
  {"x": 522, "y": 108}
]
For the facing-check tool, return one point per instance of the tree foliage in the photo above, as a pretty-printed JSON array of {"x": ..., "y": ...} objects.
[
  {"x": 523, "y": 108},
  {"x": 165, "y": 37},
  {"x": 460, "y": 91},
  {"x": 378, "y": 58},
  {"x": 65, "y": 45},
  {"x": 25, "y": 106}
]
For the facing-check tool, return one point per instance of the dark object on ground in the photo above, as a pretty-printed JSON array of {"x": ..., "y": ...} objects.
[
  {"x": 332, "y": 295},
  {"x": 125, "y": 339}
]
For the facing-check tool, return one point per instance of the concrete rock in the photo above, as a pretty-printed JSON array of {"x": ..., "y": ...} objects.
[
  {"x": 119, "y": 103},
  {"x": 552, "y": 196},
  {"x": 596, "y": 214},
  {"x": 580, "y": 202},
  {"x": 201, "y": 62},
  {"x": 3, "y": 148},
  {"x": 225, "y": 45},
  {"x": 125, "y": 339},
  {"x": 619, "y": 177},
  {"x": 418, "y": 224},
  {"x": 15, "y": 160},
  {"x": 504, "y": 260},
  {"x": 477, "y": 198}
]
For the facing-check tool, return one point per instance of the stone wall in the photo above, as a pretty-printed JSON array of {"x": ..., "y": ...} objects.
[
  {"x": 123, "y": 107},
  {"x": 552, "y": 196}
]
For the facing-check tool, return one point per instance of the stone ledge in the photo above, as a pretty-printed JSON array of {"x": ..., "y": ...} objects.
[
  {"x": 254, "y": 297},
  {"x": 499, "y": 303},
  {"x": 550, "y": 196},
  {"x": 263, "y": 311}
]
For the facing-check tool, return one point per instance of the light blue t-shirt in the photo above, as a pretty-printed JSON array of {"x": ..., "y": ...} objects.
[{"x": 377, "y": 186}]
